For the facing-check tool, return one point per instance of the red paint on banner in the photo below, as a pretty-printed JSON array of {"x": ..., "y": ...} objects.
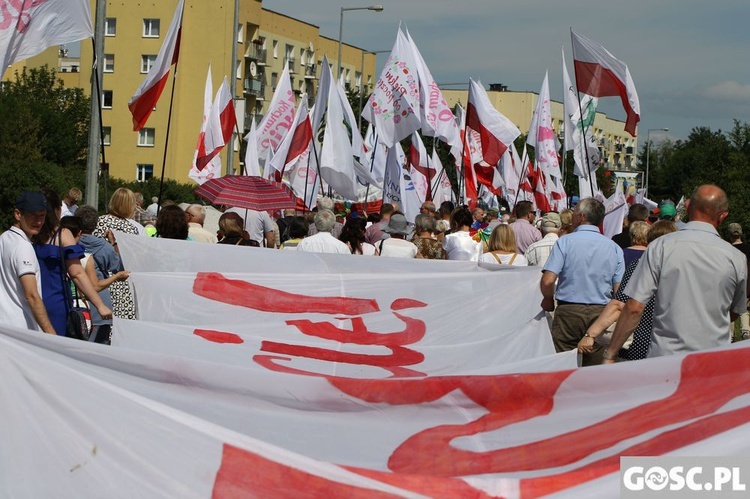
[
  {"x": 215, "y": 286},
  {"x": 246, "y": 474},
  {"x": 218, "y": 336}
]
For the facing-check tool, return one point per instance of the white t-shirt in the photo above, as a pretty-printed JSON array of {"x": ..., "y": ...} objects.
[
  {"x": 397, "y": 248},
  {"x": 323, "y": 242},
  {"x": 17, "y": 258},
  {"x": 460, "y": 246},
  {"x": 505, "y": 259},
  {"x": 257, "y": 223}
]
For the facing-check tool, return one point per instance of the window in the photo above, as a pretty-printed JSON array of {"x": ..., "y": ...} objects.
[
  {"x": 144, "y": 172},
  {"x": 274, "y": 80},
  {"x": 147, "y": 62},
  {"x": 240, "y": 31},
  {"x": 151, "y": 28},
  {"x": 146, "y": 137},
  {"x": 239, "y": 73},
  {"x": 275, "y": 49},
  {"x": 109, "y": 63},
  {"x": 358, "y": 78},
  {"x": 107, "y": 99},
  {"x": 289, "y": 52},
  {"x": 302, "y": 59},
  {"x": 110, "y": 26},
  {"x": 107, "y": 135}
]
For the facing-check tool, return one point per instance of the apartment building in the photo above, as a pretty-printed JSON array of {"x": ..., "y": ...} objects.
[
  {"x": 619, "y": 149},
  {"x": 134, "y": 32}
]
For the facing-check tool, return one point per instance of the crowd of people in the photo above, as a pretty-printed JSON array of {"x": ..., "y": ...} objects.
[{"x": 657, "y": 288}]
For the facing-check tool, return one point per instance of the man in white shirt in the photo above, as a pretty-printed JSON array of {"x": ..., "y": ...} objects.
[
  {"x": 538, "y": 252},
  {"x": 196, "y": 216},
  {"x": 397, "y": 246},
  {"x": 21, "y": 302},
  {"x": 323, "y": 241}
]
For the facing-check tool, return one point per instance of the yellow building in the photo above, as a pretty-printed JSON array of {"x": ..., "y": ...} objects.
[
  {"x": 619, "y": 149},
  {"x": 134, "y": 33}
]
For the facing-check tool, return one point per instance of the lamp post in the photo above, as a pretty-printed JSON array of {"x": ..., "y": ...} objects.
[
  {"x": 361, "y": 86},
  {"x": 648, "y": 152},
  {"x": 376, "y": 8}
]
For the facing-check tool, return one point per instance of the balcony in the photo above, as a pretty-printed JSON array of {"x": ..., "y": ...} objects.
[
  {"x": 255, "y": 88},
  {"x": 256, "y": 53}
]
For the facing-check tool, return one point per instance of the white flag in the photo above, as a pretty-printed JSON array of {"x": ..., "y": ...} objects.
[
  {"x": 213, "y": 168},
  {"x": 27, "y": 28},
  {"x": 278, "y": 121},
  {"x": 542, "y": 136},
  {"x": 252, "y": 157},
  {"x": 393, "y": 107}
]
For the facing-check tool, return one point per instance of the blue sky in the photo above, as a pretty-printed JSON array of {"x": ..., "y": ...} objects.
[{"x": 690, "y": 59}]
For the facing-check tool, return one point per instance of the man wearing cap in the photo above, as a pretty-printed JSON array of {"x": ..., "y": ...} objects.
[
  {"x": 397, "y": 245},
  {"x": 538, "y": 252},
  {"x": 698, "y": 280},
  {"x": 323, "y": 241},
  {"x": 21, "y": 302},
  {"x": 590, "y": 267}
]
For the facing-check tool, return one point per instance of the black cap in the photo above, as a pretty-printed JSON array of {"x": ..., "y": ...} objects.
[{"x": 30, "y": 201}]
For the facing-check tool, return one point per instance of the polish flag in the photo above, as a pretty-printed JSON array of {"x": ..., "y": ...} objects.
[
  {"x": 221, "y": 123},
  {"x": 296, "y": 142},
  {"x": 496, "y": 131},
  {"x": 600, "y": 74},
  {"x": 213, "y": 168},
  {"x": 145, "y": 97}
]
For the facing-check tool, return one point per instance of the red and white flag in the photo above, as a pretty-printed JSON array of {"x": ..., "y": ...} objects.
[
  {"x": 495, "y": 130},
  {"x": 296, "y": 142},
  {"x": 213, "y": 168},
  {"x": 393, "y": 107},
  {"x": 219, "y": 127},
  {"x": 27, "y": 27},
  {"x": 146, "y": 96},
  {"x": 600, "y": 74}
]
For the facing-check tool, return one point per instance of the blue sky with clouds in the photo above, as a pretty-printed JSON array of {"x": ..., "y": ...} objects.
[{"x": 690, "y": 59}]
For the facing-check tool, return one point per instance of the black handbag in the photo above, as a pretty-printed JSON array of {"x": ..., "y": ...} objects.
[{"x": 76, "y": 325}]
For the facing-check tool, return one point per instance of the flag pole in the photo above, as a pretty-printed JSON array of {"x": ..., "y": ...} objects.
[
  {"x": 372, "y": 166},
  {"x": 307, "y": 179},
  {"x": 462, "y": 180},
  {"x": 92, "y": 161},
  {"x": 520, "y": 178},
  {"x": 429, "y": 175},
  {"x": 101, "y": 131},
  {"x": 239, "y": 136},
  {"x": 580, "y": 110},
  {"x": 166, "y": 140}
]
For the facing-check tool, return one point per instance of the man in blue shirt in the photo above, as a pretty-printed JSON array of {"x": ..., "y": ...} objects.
[{"x": 588, "y": 267}]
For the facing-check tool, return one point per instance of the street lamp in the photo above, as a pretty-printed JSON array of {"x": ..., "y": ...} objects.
[
  {"x": 648, "y": 152},
  {"x": 361, "y": 87},
  {"x": 376, "y": 8}
]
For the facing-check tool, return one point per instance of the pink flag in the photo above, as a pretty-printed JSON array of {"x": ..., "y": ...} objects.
[
  {"x": 600, "y": 74},
  {"x": 145, "y": 97},
  {"x": 496, "y": 131},
  {"x": 542, "y": 135},
  {"x": 437, "y": 117},
  {"x": 29, "y": 27},
  {"x": 393, "y": 107}
]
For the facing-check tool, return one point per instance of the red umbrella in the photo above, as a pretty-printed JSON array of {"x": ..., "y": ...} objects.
[{"x": 253, "y": 193}]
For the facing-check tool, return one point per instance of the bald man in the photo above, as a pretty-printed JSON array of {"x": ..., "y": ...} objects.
[
  {"x": 196, "y": 217},
  {"x": 698, "y": 279}
]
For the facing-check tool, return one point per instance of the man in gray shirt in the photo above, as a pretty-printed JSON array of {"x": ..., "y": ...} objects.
[{"x": 699, "y": 280}]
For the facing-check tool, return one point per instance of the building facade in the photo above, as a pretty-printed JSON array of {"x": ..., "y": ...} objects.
[
  {"x": 619, "y": 149},
  {"x": 134, "y": 32}
]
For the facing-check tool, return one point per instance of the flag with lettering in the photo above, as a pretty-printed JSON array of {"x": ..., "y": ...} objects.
[
  {"x": 394, "y": 105},
  {"x": 27, "y": 27},
  {"x": 279, "y": 118}
]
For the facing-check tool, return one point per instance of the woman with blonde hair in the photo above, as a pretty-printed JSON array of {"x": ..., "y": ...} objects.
[
  {"x": 120, "y": 218},
  {"x": 502, "y": 248}
]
